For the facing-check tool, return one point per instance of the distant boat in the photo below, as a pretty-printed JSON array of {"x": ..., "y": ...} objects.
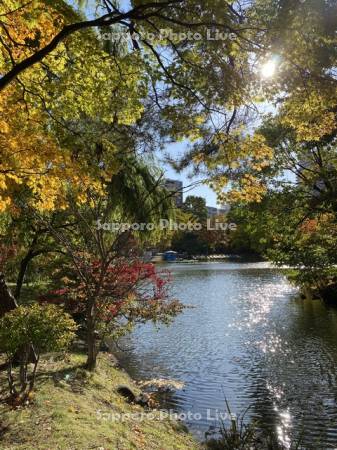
[{"x": 170, "y": 256}]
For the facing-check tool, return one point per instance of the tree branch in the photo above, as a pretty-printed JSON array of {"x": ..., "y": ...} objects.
[{"x": 104, "y": 21}]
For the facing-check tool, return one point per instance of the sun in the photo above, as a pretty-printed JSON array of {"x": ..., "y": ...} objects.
[{"x": 268, "y": 69}]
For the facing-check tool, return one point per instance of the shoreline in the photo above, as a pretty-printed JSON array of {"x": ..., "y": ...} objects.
[{"x": 75, "y": 409}]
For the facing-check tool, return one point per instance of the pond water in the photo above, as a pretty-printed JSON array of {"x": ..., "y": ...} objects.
[{"x": 249, "y": 340}]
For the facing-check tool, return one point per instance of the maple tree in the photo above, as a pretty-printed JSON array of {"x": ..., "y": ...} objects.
[
  {"x": 130, "y": 292},
  {"x": 111, "y": 294},
  {"x": 47, "y": 139},
  {"x": 299, "y": 41},
  {"x": 71, "y": 74}
]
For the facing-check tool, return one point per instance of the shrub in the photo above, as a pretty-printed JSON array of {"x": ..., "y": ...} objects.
[{"x": 32, "y": 329}]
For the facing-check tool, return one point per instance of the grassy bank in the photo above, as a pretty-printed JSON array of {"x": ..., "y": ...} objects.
[{"x": 72, "y": 410}]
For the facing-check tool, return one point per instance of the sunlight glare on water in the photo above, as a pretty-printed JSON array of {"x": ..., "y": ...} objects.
[{"x": 247, "y": 339}]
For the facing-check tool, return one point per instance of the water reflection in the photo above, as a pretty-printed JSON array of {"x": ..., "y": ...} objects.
[{"x": 248, "y": 340}]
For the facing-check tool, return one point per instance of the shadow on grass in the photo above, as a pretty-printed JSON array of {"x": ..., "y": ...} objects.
[{"x": 53, "y": 368}]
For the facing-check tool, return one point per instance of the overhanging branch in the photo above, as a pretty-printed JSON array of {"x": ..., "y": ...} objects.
[{"x": 138, "y": 13}]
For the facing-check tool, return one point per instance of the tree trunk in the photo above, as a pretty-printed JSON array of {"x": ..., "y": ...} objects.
[
  {"x": 23, "y": 269},
  {"x": 33, "y": 377},
  {"x": 10, "y": 378},
  {"x": 7, "y": 300},
  {"x": 92, "y": 347},
  {"x": 91, "y": 339},
  {"x": 92, "y": 353},
  {"x": 31, "y": 254}
]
